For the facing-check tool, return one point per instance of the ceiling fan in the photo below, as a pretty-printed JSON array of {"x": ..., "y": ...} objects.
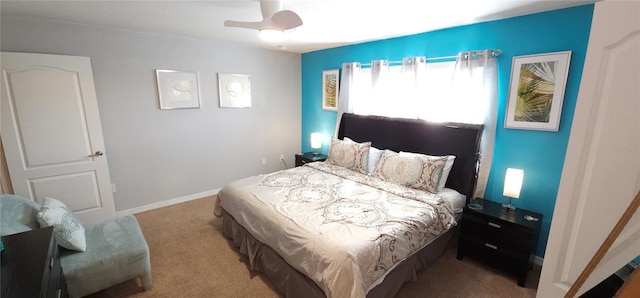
[{"x": 274, "y": 21}]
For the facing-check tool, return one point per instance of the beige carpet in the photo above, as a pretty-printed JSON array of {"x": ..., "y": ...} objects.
[{"x": 191, "y": 258}]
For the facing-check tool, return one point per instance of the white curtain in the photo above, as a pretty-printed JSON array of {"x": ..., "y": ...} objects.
[
  {"x": 410, "y": 87},
  {"x": 382, "y": 89},
  {"x": 464, "y": 91},
  {"x": 373, "y": 103},
  {"x": 474, "y": 90},
  {"x": 348, "y": 90}
]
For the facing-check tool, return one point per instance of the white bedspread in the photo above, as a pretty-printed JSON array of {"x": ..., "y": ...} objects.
[{"x": 342, "y": 229}]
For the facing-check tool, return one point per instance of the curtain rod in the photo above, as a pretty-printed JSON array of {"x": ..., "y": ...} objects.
[{"x": 475, "y": 53}]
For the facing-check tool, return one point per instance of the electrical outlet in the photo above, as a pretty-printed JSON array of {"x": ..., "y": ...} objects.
[
  {"x": 264, "y": 161},
  {"x": 113, "y": 187},
  {"x": 282, "y": 157}
]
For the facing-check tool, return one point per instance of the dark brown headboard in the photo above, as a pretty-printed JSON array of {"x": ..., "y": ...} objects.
[{"x": 412, "y": 135}]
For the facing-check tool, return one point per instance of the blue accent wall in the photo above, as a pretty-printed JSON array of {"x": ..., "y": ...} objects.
[{"x": 540, "y": 154}]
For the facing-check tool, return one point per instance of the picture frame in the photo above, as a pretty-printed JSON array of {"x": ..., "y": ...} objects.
[
  {"x": 234, "y": 90},
  {"x": 536, "y": 91},
  {"x": 330, "y": 89},
  {"x": 178, "y": 89}
]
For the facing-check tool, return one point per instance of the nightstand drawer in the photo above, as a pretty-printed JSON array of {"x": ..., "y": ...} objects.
[
  {"x": 482, "y": 228},
  {"x": 300, "y": 161},
  {"x": 499, "y": 256},
  {"x": 498, "y": 233},
  {"x": 57, "y": 286},
  {"x": 308, "y": 157}
]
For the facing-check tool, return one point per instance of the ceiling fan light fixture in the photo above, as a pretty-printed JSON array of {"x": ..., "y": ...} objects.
[{"x": 271, "y": 35}]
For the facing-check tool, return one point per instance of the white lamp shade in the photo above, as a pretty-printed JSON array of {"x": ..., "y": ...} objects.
[
  {"x": 316, "y": 140},
  {"x": 513, "y": 183}
]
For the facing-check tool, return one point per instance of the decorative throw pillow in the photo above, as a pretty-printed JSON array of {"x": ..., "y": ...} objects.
[
  {"x": 413, "y": 170},
  {"x": 349, "y": 155},
  {"x": 67, "y": 230},
  {"x": 372, "y": 159},
  {"x": 445, "y": 171}
]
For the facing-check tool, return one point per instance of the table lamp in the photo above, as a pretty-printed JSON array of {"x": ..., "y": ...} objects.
[
  {"x": 316, "y": 142},
  {"x": 512, "y": 186}
]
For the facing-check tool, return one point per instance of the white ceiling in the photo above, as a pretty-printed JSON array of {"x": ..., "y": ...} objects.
[{"x": 327, "y": 23}]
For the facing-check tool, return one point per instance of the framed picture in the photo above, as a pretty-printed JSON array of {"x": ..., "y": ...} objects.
[
  {"x": 536, "y": 91},
  {"x": 330, "y": 89},
  {"x": 178, "y": 89},
  {"x": 235, "y": 90}
]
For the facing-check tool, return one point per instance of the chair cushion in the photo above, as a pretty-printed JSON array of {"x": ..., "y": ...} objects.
[
  {"x": 116, "y": 252},
  {"x": 18, "y": 214}
]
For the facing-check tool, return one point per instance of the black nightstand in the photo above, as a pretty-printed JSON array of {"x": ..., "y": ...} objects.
[
  {"x": 309, "y": 157},
  {"x": 500, "y": 237}
]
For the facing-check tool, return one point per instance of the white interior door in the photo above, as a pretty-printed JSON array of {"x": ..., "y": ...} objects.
[
  {"x": 601, "y": 173},
  {"x": 52, "y": 135}
]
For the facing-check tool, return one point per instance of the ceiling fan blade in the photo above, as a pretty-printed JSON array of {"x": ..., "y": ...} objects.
[
  {"x": 239, "y": 24},
  {"x": 287, "y": 19},
  {"x": 270, "y": 7}
]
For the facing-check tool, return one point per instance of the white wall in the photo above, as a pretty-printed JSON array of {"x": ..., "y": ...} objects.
[{"x": 157, "y": 155}]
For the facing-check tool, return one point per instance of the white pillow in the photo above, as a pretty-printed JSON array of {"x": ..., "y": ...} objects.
[
  {"x": 374, "y": 156},
  {"x": 67, "y": 230},
  {"x": 445, "y": 171}
]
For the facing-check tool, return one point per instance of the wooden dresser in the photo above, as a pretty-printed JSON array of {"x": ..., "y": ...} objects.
[{"x": 31, "y": 265}]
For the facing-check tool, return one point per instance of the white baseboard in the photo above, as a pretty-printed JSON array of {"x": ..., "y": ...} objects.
[{"x": 168, "y": 202}]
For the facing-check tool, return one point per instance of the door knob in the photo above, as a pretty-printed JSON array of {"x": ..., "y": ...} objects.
[{"x": 98, "y": 153}]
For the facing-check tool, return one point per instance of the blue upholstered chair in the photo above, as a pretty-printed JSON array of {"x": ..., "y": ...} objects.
[{"x": 116, "y": 249}]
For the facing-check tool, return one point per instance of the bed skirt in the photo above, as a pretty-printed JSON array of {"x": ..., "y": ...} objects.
[{"x": 291, "y": 283}]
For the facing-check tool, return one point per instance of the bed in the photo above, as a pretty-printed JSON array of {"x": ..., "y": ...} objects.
[{"x": 348, "y": 228}]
